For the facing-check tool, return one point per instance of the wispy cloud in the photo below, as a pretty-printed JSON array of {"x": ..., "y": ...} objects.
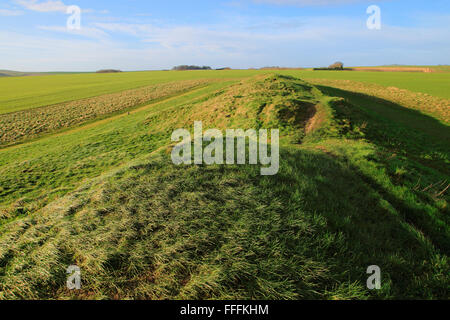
[
  {"x": 45, "y": 6},
  {"x": 88, "y": 32},
  {"x": 10, "y": 13},
  {"x": 235, "y": 40},
  {"x": 325, "y": 36},
  {"x": 49, "y": 6}
]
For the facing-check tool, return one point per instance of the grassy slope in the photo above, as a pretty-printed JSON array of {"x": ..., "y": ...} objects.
[
  {"x": 340, "y": 203},
  {"x": 436, "y": 108},
  {"x": 57, "y": 164}
]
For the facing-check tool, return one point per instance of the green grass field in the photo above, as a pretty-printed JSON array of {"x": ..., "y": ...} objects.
[
  {"x": 363, "y": 180},
  {"x": 20, "y": 93}
]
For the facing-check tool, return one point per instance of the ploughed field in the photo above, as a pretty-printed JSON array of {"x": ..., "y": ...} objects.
[{"x": 86, "y": 179}]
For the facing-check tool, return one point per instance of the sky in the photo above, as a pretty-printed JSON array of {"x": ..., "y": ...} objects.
[{"x": 153, "y": 35}]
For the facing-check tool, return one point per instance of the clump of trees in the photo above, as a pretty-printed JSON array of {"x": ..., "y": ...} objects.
[
  {"x": 109, "y": 71},
  {"x": 271, "y": 68},
  {"x": 337, "y": 66},
  {"x": 334, "y": 66},
  {"x": 186, "y": 67}
]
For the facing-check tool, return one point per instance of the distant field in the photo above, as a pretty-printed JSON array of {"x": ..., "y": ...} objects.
[
  {"x": 442, "y": 68},
  {"x": 394, "y": 68},
  {"x": 30, "y": 123},
  {"x": 433, "y": 68},
  {"x": 9, "y": 73},
  {"x": 436, "y": 84},
  {"x": 20, "y": 93}
]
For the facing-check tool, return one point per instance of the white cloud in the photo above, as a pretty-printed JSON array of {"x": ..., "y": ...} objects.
[
  {"x": 10, "y": 13},
  {"x": 50, "y": 6},
  {"x": 46, "y": 6},
  {"x": 246, "y": 42},
  {"x": 309, "y": 39}
]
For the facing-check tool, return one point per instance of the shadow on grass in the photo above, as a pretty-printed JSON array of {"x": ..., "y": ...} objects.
[
  {"x": 398, "y": 114},
  {"x": 368, "y": 231},
  {"x": 396, "y": 128},
  {"x": 206, "y": 232},
  {"x": 159, "y": 231}
]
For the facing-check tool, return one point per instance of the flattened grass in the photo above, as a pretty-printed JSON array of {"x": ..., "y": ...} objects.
[{"x": 156, "y": 231}]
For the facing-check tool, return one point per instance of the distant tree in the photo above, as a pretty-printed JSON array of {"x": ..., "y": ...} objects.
[
  {"x": 109, "y": 71},
  {"x": 186, "y": 67},
  {"x": 337, "y": 66}
]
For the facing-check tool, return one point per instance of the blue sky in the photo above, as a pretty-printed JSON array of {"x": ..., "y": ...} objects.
[{"x": 146, "y": 35}]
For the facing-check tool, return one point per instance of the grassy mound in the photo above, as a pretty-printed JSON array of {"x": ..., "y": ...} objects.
[{"x": 340, "y": 203}]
